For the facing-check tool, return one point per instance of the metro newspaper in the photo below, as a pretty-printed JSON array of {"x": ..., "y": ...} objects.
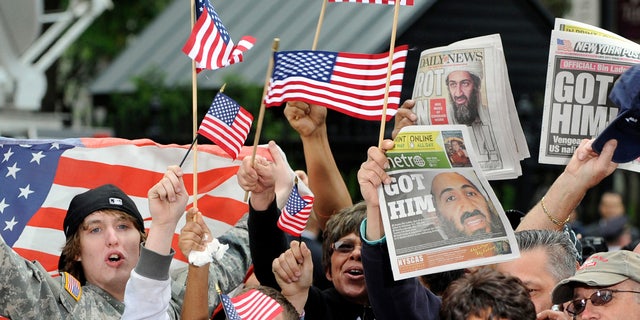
[
  {"x": 434, "y": 173},
  {"x": 583, "y": 65}
]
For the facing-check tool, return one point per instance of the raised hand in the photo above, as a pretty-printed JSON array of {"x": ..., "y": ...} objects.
[
  {"x": 195, "y": 234},
  {"x": 294, "y": 273},
  {"x": 305, "y": 118},
  {"x": 404, "y": 117},
  {"x": 168, "y": 198}
]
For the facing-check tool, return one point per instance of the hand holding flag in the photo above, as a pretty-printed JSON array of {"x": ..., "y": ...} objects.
[{"x": 40, "y": 177}]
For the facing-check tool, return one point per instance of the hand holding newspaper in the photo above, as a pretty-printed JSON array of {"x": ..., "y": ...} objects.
[
  {"x": 584, "y": 62},
  {"x": 439, "y": 212}
]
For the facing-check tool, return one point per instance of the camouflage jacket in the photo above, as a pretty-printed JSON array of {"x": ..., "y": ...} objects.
[{"x": 29, "y": 292}]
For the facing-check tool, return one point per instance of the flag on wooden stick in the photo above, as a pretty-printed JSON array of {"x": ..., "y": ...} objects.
[
  {"x": 226, "y": 124},
  {"x": 210, "y": 44},
  {"x": 40, "y": 177},
  {"x": 351, "y": 83},
  {"x": 296, "y": 211}
]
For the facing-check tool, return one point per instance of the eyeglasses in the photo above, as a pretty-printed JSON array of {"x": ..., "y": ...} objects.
[
  {"x": 598, "y": 298},
  {"x": 344, "y": 246}
]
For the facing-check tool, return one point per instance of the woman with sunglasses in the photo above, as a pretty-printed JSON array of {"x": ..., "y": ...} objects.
[{"x": 342, "y": 265}]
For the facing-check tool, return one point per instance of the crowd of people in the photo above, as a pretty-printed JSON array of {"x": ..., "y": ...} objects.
[{"x": 111, "y": 269}]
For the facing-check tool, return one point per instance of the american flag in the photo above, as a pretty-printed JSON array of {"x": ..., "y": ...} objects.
[
  {"x": 210, "y": 44},
  {"x": 564, "y": 45},
  {"x": 295, "y": 213},
  {"x": 392, "y": 2},
  {"x": 226, "y": 124},
  {"x": 38, "y": 179},
  {"x": 351, "y": 83},
  {"x": 229, "y": 309},
  {"x": 251, "y": 305}
]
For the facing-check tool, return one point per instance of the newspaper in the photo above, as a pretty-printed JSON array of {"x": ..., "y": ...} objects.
[
  {"x": 467, "y": 83},
  {"x": 440, "y": 213},
  {"x": 584, "y": 62}
]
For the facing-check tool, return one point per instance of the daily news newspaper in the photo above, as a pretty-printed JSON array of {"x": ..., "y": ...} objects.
[
  {"x": 467, "y": 83},
  {"x": 440, "y": 213},
  {"x": 584, "y": 62}
]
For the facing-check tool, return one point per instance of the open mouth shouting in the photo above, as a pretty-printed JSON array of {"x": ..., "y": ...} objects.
[
  {"x": 355, "y": 273},
  {"x": 115, "y": 259}
]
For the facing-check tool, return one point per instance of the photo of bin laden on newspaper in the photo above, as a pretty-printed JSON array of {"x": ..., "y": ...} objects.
[
  {"x": 466, "y": 83},
  {"x": 462, "y": 102},
  {"x": 439, "y": 215}
]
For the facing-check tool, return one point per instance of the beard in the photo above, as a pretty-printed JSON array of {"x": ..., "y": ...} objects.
[
  {"x": 495, "y": 226},
  {"x": 466, "y": 113}
]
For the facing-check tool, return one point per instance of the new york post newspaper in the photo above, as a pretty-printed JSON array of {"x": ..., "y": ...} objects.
[{"x": 584, "y": 62}]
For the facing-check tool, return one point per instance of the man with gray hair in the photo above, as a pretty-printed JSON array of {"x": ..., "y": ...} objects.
[
  {"x": 606, "y": 286},
  {"x": 546, "y": 258}
]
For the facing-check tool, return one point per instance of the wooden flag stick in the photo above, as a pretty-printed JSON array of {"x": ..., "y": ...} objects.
[
  {"x": 320, "y": 19},
  {"x": 194, "y": 113},
  {"x": 392, "y": 46},
  {"x": 256, "y": 139}
]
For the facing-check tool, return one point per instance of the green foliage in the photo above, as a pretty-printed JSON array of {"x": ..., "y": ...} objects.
[
  {"x": 165, "y": 114},
  {"x": 557, "y": 7},
  {"x": 105, "y": 37}
]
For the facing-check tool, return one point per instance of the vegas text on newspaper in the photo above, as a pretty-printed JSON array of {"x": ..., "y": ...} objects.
[
  {"x": 467, "y": 83},
  {"x": 439, "y": 212},
  {"x": 584, "y": 62}
]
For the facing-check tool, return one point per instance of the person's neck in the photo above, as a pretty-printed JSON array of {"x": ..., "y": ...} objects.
[{"x": 116, "y": 291}]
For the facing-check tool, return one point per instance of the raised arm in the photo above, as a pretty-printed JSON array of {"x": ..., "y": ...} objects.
[
  {"x": 370, "y": 176},
  {"x": 194, "y": 236},
  {"x": 417, "y": 302},
  {"x": 294, "y": 272},
  {"x": 167, "y": 203},
  {"x": 266, "y": 240},
  {"x": 325, "y": 180},
  {"x": 148, "y": 291},
  {"x": 585, "y": 170}
]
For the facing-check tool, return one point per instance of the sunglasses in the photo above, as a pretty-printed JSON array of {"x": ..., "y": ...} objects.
[
  {"x": 344, "y": 246},
  {"x": 598, "y": 298}
]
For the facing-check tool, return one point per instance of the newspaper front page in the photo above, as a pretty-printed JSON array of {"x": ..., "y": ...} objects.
[
  {"x": 583, "y": 65},
  {"x": 439, "y": 212},
  {"x": 467, "y": 83}
]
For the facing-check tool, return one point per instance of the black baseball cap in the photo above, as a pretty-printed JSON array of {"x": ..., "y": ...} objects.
[{"x": 104, "y": 197}]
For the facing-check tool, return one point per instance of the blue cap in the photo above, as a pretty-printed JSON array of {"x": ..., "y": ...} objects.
[{"x": 625, "y": 128}]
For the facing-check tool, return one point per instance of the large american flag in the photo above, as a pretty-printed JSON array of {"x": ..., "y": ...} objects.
[
  {"x": 392, "y": 2},
  {"x": 296, "y": 212},
  {"x": 252, "y": 305},
  {"x": 38, "y": 179},
  {"x": 227, "y": 124},
  {"x": 210, "y": 44},
  {"x": 351, "y": 83}
]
